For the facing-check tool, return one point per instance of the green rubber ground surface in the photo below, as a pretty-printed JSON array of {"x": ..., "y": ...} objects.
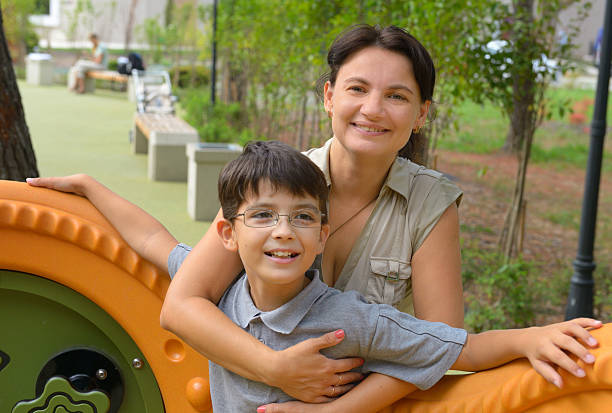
[{"x": 89, "y": 134}]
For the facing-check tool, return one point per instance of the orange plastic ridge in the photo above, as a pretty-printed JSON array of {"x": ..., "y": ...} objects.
[
  {"x": 87, "y": 235},
  {"x": 63, "y": 238},
  {"x": 517, "y": 387}
]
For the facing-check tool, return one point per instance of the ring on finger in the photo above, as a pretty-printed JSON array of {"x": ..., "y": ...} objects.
[
  {"x": 339, "y": 380},
  {"x": 333, "y": 391}
]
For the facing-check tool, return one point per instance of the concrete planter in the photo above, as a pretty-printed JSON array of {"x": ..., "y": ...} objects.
[
  {"x": 205, "y": 162},
  {"x": 39, "y": 69}
]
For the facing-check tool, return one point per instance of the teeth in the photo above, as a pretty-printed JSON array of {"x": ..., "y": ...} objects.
[
  {"x": 283, "y": 254},
  {"x": 368, "y": 129}
]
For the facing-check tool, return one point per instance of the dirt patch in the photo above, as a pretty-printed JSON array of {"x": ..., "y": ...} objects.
[{"x": 554, "y": 201}]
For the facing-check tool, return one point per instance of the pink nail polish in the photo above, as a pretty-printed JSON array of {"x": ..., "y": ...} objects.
[
  {"x": 339, "y": 334},
  {"x": 261, "y": 409}
]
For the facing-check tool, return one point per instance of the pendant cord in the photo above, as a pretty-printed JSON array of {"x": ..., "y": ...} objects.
[{"x": 352, "y": 216}]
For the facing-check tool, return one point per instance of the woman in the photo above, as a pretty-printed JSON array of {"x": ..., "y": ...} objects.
[{"x": 394, "y": 228}]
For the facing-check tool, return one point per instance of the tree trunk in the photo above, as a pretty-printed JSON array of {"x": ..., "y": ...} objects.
[
  {"x": 129, "y": 25},
  {"x": 17, "y": 159}
]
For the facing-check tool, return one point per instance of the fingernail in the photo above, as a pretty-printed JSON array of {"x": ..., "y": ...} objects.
[
  {"x": 557, "y": 382},
  {"x": 591, "y": 341},
  {"x": 589, "y": 358},
  {"x": 580, "y": 373},
  {"x": 339, "y": 334},
  {"x": 261, "y": 409},
  {"x": 29, "y": 179}
]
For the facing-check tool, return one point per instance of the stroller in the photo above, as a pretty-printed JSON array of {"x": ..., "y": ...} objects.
[{"x": 153, "y": 91}]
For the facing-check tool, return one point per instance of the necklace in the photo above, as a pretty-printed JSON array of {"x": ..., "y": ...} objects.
[{"x": 352, "y": 216}]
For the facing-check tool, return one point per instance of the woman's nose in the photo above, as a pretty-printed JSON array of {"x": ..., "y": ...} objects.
[{"x": 372, "y": 106}]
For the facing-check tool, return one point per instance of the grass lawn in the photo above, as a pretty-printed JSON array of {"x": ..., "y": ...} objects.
[{"x": 89, "y": 134}]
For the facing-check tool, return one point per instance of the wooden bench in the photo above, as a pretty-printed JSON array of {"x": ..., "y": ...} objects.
[
  {"x": 111, "y": 76},
  {"x": 164, "y": 137}
]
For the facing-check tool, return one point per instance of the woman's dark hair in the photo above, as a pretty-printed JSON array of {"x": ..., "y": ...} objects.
[
  {"x": 277, "y": 163},
  {"x": 396, "y": 40}
]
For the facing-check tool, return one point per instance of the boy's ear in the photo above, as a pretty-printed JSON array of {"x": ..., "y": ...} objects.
[
  {"x": 226, "y": 232},
  {"x": 323, "y": 237}
]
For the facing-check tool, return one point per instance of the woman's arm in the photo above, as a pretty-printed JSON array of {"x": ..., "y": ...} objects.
[
  {"x": 147, "y": 236},
  {"x": 436, "y": 273}
]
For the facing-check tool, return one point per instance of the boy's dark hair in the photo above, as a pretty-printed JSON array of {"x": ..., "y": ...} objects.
[{"x": 275, "y": 162}]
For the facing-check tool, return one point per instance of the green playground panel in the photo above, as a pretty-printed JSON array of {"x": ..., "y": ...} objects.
[{"x": 40, "y": 319}]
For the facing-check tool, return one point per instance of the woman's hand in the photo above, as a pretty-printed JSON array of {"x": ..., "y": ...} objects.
[
  {"x": 71, "y": 183},
  {"x": 548, "y": 347},
  {"x": 304, "y": 373}
]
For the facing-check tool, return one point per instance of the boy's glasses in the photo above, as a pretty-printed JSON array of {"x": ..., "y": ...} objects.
[{"x": 262, "y": 218}]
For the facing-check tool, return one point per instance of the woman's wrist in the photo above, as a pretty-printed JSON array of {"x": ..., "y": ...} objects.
[{"x": 270, "y": 367}]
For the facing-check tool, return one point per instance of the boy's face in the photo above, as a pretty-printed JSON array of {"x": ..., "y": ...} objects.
[{"x": 275, "y": 257}]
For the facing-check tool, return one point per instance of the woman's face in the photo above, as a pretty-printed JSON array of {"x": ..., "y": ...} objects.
[{"x": 375, "y": 103}]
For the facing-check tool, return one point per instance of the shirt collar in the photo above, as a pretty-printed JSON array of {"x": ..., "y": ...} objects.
[
  {"x": 399, "y": 178},
  {"x": 285, "y": 318}
]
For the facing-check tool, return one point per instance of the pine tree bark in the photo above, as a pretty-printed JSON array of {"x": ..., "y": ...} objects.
[{"x": 17, "y": 159}]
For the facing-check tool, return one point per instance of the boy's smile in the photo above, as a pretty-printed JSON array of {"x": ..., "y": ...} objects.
[{"x": 275, "y": 257}]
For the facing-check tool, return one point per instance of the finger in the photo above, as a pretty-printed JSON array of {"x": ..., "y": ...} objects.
[
  {"x": 349, "y": 377},
  {"x": 587, "y": 322},
  {"x": 578, "y": 329},
  {"x": 328, "y": 340},
  {"x": 548, "y": 372},
  {"x": 340, "y": 390},
  {"x": 558, "y": 357},
  {"x": 583, "y": 335},
  {"x": 34, "y": 181},
  {"x": 345, "y": 365},
  {"x": 570, "y": 344}
]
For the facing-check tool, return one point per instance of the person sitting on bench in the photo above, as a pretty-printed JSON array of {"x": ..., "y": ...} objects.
[{"x": 99, "y": 61}]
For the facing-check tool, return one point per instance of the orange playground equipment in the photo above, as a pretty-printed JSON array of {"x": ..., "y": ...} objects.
[{"x": 79, "y": 311}]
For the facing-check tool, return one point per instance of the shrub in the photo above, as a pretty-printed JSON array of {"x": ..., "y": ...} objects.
[
  {"x": 500, "y": 295},
  {"x": 201, "y": 76},
  {"x": 223, "y": 123}
]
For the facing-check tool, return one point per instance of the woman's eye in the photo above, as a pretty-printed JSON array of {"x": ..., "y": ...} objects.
[
  {"x": 396, "y": 96},
  {"x": 356, "y": 89}
]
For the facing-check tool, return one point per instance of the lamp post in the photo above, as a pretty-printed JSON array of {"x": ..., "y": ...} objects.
[
  {"x": 213, "y": 70},
  {"x": 580, "y": 300}
]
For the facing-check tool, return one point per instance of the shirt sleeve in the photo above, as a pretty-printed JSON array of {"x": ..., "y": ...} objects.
[
  {"x": 436, "y": 194},
  {"x": 416, "y": 351},
  {"x": 176, "y": 258}
]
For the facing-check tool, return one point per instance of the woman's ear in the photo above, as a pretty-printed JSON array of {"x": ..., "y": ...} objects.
[
  {"x": 328, "y": 92},
  {"x": 423, "y": 111},
  {"x": 226, "y": 232}
]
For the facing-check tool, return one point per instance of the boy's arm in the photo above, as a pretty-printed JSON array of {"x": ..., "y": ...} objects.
[
  {"x": 545, "y": 347},
  {"x": 147, "y": 236},
  {"x": 373, "y": 394}
]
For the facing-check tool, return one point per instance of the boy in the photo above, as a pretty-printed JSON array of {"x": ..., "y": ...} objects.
[{"x": 274, "y": 207}]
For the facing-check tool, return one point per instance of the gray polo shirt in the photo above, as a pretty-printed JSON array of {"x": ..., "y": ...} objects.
[{"x": 391, "y": 342}]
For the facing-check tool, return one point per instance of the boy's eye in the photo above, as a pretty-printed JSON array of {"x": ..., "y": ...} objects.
[
  {"x": 260, "y": 214},
  {"x": 305, "y": 218}
]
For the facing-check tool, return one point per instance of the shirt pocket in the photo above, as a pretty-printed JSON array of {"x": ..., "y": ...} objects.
[{"x": 388, "y": 280}]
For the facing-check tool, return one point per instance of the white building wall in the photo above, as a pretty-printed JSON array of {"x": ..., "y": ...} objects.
[{"x": 64, "y": 28}]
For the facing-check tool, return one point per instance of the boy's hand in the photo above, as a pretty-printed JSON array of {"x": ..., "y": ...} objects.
[
  {"x": 304, "y": 373},
  {"x": 550, "y": 346},
  {"x": 72, "y": 183}
]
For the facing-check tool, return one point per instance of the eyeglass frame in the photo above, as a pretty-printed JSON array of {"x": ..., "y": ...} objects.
[{"x": 278, "y": 216}]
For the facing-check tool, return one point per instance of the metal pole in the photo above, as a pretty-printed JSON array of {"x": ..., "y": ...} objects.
[
  {"x": 580, "y": 300},
  {"x": 213, "y": 71}
]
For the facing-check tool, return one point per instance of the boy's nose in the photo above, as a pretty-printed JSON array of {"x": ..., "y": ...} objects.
[{"x": 283, "y": 229}]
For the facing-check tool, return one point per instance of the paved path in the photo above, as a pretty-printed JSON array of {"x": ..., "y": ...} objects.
[{"x": 89, "y": 133}]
